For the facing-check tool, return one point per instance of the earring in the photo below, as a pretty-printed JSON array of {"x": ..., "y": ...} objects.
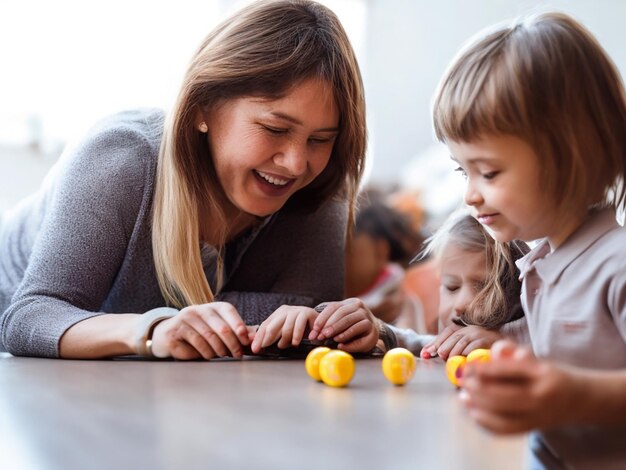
[{"x": 203, "y": 127}]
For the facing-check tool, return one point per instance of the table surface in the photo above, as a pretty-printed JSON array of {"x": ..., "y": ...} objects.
[{"x": 235, "y": 414}]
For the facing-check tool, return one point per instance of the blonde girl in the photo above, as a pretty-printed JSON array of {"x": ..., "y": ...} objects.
[{"x": 479, "y": 296}]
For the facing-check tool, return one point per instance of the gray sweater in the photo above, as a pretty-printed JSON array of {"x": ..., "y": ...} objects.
[{"x": 81, "y": 246}]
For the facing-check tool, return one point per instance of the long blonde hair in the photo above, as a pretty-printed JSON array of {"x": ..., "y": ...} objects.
[
  {"x": 262, "y": 50},
  {"x": 498, "y": 300},
  {"x": 546, "y": 80}
]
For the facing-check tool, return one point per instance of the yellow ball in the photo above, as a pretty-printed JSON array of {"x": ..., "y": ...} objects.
[
  {"x": 312, "y": 362},
  {"x": 337, "y": 368},
  {"x": 453, "y": 364},
  {"x": 398, "y": 365},
  {"x": 479, "y": 355}
]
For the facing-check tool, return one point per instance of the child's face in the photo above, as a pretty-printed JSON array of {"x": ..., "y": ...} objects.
[
  {"x": 366, "y": 257},
  {"x": 463, "y": 275},
  {"x": 503, "y": 188}
]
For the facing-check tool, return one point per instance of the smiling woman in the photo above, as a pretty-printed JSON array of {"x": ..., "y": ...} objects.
[{"x": 175, "y": 234}]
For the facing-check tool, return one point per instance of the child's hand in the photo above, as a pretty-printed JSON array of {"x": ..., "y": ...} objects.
[
  {"x": 349, "y": 323},
  {"x": 459, "y": 340},
  {"x": 515, "y": 392},
  {"x": 287, "y": 325}
]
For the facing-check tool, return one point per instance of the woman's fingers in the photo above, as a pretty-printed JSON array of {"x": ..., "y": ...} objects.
[
  {"x": 231, "y": 316},
  {"x": 357, "y": 325},
  {"x": 199, "y": 342},
  {"x": 336, "y": 318}
]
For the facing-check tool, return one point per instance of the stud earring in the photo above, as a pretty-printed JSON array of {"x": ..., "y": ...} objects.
[{"x": 203, "y": 127}]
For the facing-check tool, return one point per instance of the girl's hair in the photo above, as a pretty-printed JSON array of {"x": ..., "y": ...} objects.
[
  {"x": 546, "y": 80},
  {"x": 263, "y": 50},
  {"x": 498, "y": 301}
]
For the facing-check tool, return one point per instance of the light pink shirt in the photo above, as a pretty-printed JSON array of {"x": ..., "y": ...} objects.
[{"x": 575, "y": 304}]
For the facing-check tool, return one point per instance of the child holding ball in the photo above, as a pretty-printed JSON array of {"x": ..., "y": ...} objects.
[{"x": 535, "y": 115}]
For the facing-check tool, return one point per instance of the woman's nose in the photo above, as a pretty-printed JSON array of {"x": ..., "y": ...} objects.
[{"x": 293, "y": 159}]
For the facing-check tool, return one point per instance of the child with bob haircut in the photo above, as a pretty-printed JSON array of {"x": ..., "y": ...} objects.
[
  {"x": 535, "y": 115},
  {"x": 479, "y": 296}
]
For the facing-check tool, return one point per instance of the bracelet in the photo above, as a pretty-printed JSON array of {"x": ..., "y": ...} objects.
[
  {"x": 386, "y": 334},
  {"x": 147, "y": 324}
]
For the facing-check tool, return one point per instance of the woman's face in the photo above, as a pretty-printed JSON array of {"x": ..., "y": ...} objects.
[{"x": 264, "y": 150}]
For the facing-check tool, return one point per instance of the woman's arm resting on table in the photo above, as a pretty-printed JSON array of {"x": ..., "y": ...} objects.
[{"x": 105, "y": 335}]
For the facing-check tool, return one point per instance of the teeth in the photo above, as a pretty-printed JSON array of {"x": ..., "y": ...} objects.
[{"x": 272, "y": 179}]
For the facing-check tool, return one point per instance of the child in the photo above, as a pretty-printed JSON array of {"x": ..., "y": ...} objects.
[
  {"x": 382, "y": 244},
  {"x": 535, "y": 115},
  {"x": 479, "y": 288}
]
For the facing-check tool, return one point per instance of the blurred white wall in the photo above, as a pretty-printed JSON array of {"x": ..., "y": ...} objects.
[
  {"x": 411, "y": 42},
  {"x": 65, "y": 64}
]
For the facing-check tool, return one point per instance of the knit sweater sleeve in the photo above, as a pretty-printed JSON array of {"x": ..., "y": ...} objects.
[
  {"x": 83, "y": 237},
  {"x": 297, "y": 260}
]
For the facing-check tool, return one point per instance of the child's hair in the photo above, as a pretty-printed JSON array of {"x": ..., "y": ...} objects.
[
  {"x": 498, "y": 301},
  {"x": 546, "y": 80},
  {"x": 380, "y": 221}
]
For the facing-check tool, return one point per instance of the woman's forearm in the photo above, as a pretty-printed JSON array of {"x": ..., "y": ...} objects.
[{"x": 102, "y": 336}]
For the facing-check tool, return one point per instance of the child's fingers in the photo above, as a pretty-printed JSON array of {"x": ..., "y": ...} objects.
[
  {"x": 503, "y": 349},
  {"x": 273, "y": 329},
  {"x": 286, "y": 333},
  {"x": 301, "y": 321},
  {"x": 453, "y": 345},
  {"x": 499, "y": 423},
  {"x": 475, "y": 344},
  {"x": 461, "y": 344},
  {"x": 258, "y": 338},
  {"x": 501, "y": 370},
  {"x": 433, "y": 347},
  {"x": 496, "y": 396}
]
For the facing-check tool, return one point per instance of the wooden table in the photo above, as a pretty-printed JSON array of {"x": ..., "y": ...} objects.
[{"x": 253, "y": 414}]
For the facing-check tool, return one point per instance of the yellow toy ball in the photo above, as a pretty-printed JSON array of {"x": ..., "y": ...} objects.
[
  {"x": 398, "y": 365},
  {"x": 479, "y": 355},
  {"x": 312, "y": 362},
  {"x": 454, "y": 368},
  {"x": 337, "y": 368}
]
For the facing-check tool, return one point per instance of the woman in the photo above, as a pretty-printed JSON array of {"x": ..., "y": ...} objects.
[{"x": 230, "y": 207}]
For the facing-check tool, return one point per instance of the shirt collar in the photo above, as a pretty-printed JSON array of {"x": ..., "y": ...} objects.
[{"x": 550, "y": 266}]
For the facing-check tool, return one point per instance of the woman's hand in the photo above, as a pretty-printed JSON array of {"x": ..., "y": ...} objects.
[
  {"x": 459, "y": 340},
  {"x": 287, "y": 325},
  {"x": 201, "y": 331},
  {"x": 349, "y": 323},
  {"x": 515, "y": 392}
]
